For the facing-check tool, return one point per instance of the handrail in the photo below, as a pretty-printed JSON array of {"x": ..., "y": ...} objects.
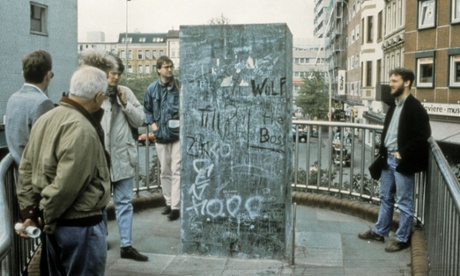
[
  {"x": 5, "y": 221},
  {"x": 437, "y": 192},
  {"x": 451, "y": 181}
]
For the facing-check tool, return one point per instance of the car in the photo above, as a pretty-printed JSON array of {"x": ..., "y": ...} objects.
[
  {"x": 302, "y": 136},
  {"x": 142, "y": 138},
  {"x": 341, "y": 153}
]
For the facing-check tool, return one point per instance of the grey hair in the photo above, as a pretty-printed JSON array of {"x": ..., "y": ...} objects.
[
  {"x": 98, "y": 59},
  {"x": 87, "y": 81}
]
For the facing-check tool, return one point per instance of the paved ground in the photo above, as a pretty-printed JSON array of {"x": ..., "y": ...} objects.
[{"x": 326, "y": 244}]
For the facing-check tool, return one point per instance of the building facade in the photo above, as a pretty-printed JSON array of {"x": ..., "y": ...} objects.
[
  {"x": 432, "y": 50},
  {"x": 28, "y": 26}
]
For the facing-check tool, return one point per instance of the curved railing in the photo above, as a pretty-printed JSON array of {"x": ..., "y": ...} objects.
[{"x": 320, "y": 165}]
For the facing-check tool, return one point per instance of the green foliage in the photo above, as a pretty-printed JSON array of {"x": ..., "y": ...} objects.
[
  {"x": 367, "y": 185},
  {"x": 219, "y": 20},
  {"x": 313, "y": 96},
  {"x": 154, "y": 172},
  {"x": 313, "y": 176},
  {"x": 138, "y": 83}
]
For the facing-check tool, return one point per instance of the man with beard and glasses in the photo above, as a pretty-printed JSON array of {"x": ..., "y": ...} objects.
[{"x": 405, "y": 151}]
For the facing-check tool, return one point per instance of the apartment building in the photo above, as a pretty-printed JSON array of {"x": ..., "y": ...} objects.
[
  {"x": 141, "y": 50},
  {"x": 432, "y": 50},
  {"x": 28, "y": 26}
]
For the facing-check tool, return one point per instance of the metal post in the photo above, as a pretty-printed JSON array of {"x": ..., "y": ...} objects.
[
  {"x": 293, "y": 234},
  {"x": 126, "y": 41}
]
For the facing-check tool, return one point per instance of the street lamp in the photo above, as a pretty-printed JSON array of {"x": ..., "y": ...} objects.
[{"x": 126, "y": 41}]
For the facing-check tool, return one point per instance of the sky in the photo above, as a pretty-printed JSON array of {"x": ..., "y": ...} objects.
[{"x": 152, "y": 16}]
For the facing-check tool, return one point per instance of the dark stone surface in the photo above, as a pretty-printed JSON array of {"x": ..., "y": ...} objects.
[{"x": 236, "y": 106}]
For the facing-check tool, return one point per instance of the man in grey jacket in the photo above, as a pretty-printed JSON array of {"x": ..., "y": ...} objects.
[
  {"x": 25, "y": 106},
  {"x": 122, "y": 112}
]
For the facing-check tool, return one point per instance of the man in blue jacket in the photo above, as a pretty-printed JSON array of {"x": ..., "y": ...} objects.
[
  {"x": 405, "y": 148},
  {"x": 161, "y": 107}
]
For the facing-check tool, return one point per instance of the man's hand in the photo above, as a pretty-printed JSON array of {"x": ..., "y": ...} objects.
[
  {"x": 122, "y": 95},
  {"x": 154, "y": 126},
  {"x": 396, "y": 154},
  {"x": 28, "y": 222}
]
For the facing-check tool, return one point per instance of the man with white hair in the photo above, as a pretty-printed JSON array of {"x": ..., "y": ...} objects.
[{"x": 64, "y": 180}]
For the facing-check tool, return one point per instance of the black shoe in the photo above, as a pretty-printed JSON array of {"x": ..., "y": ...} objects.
[
  {"x": 175, "y": 214},
  {"x": 370, "y": 235},
  {"x": 396, "y": 246},
  {"x": 130, "y": 252},
  {"x": 166, "y": 210}
]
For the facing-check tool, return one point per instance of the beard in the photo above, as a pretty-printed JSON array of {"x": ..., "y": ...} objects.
[{"x": 399, "y": 91}]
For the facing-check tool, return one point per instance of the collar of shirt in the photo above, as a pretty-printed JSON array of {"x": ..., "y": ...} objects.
[
  {"x": 36, "y": 87},
  {"x": 400, "y": 102}
]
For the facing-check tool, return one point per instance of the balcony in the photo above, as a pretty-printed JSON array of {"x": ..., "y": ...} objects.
[{"x": 334, "y": 200}]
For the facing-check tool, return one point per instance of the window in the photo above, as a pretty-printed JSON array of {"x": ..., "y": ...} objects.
[
  {"x": 122, "y": 54},
  {"x": 454, "y": 78},
  {"x": 370, "y": 29},
  {"x": 162, "y": 53},
  {"x": 154, "y": 54},
  {"x": 147, "y": 54},
  {"x": 130, "y": 68},
  {"x": 142, "y": 39},
  {"x": 140, "y": 54},
  {"x": 130, "y": 54},
  {"x": 369, "y": 73},
  {"x": 140, "y": 69},
  {"x": 379, "y": 26},
  {"x": 147, "y": 69},
  {"x": 426, "y": 14},
  {"x": 425, "y": 72},
  {"x": 455, "y": 11},
  {"x": 38, "y": 15}
]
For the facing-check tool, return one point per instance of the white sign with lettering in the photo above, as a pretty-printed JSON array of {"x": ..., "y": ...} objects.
[{"x": 442, "y": 109}]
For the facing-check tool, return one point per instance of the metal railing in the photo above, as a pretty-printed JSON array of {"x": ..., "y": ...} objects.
[
  {"x": 441, "y": 216},
  {"x": 335, "y": 158},
  {"x": 321, "y": 164},
  {"x": 15, "y": 252}
]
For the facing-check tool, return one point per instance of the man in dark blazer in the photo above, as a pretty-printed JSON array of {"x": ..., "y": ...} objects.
[
  {"x": 25, "y": 106},
  {"x": 405, "y": 150}
]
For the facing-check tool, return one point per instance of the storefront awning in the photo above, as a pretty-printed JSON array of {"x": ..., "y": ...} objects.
[{"x": 445, "y": 132}]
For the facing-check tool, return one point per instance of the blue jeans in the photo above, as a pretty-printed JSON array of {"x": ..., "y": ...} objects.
[
  {"x": 391, "y": 183},
  {"x": 122, "y": 199},
  {"x": 77, "y": 250}
]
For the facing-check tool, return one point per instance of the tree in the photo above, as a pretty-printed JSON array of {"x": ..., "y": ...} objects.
[
  {"x": 220, "y": 20},
  {"x": 313, "y": 98},
  {"x": 138, "y": 83}
]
